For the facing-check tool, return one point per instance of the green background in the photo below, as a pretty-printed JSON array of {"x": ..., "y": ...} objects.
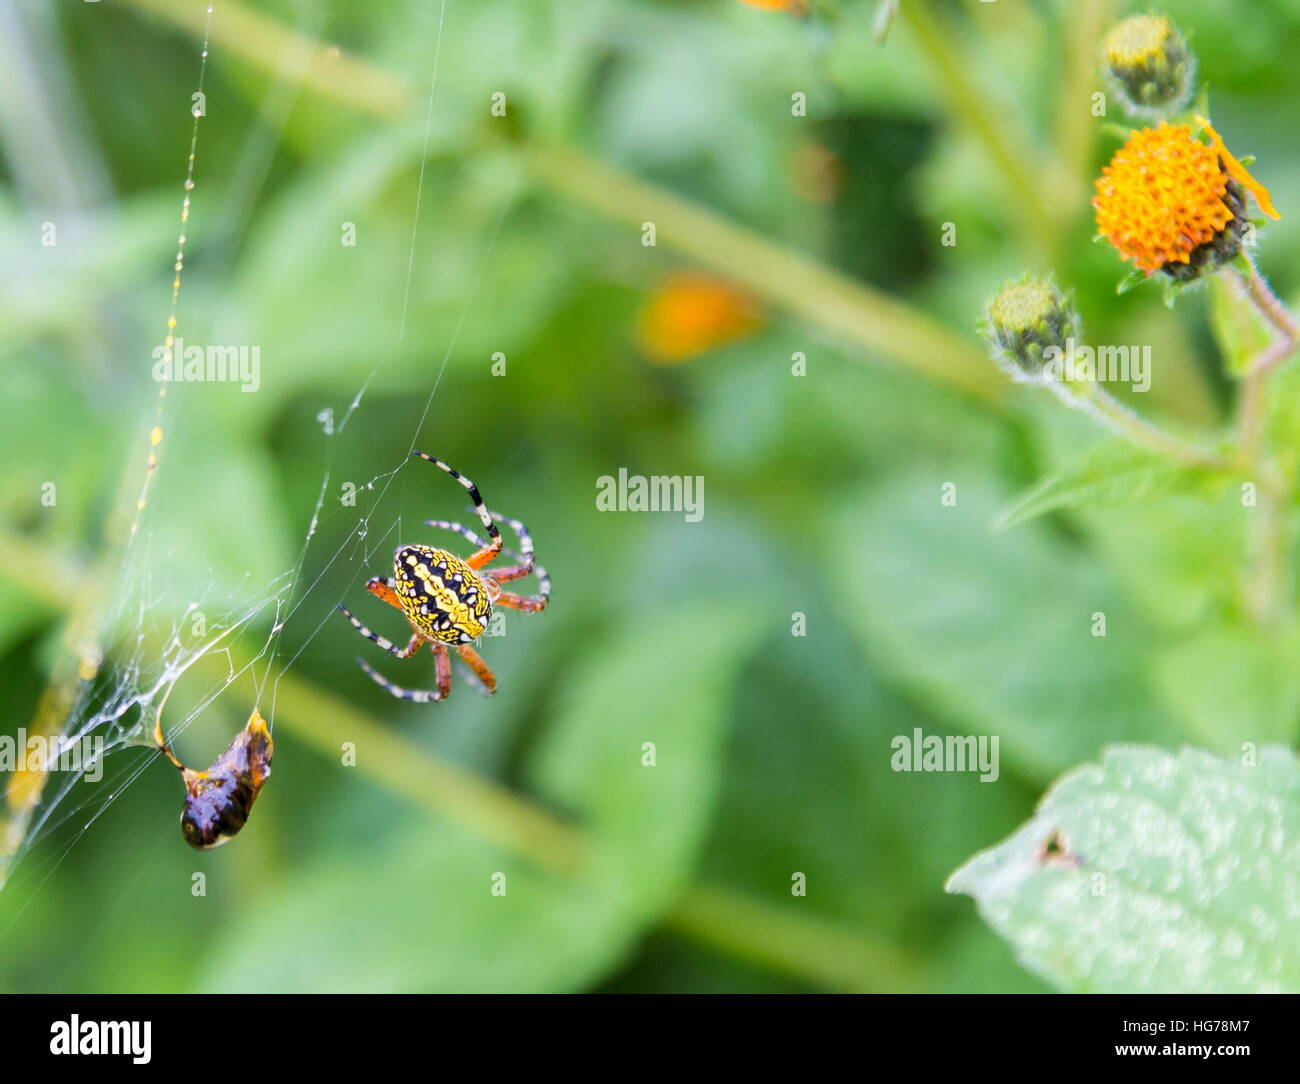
[{"x": 821, "y": 491}]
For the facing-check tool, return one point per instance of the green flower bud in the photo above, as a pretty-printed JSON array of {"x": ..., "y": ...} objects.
[
  {"x": 1149, "y": 65},
  {"x": 1024, "y": 322}
]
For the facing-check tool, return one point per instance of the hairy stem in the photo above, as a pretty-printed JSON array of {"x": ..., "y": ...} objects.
[
  {"x": 1266, "y": 583},
  {"x": 1267, "y": 302},
  {"x": 1113, "y": 414}
]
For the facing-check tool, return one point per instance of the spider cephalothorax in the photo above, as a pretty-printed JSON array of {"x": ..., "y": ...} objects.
[{"x": 448, "y": 600}]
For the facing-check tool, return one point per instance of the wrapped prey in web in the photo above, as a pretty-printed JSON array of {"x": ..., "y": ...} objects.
[{"x": 219, "y": 799}]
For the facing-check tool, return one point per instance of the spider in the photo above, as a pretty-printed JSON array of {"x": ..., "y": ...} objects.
[{"x": 447, "y": 600}]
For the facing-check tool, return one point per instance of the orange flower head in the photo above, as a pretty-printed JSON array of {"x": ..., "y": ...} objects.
[
  {"x": 690, "y": 314},
  {"x": 1171, "y": 203}
]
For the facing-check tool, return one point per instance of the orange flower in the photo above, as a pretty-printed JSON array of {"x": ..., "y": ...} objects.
[
  {"x": 796, "y": 6},
  {"x": 816, "y": 173},
  {"x": 691, "y": 313},
  {"x": 1169, "y": 202},
  {"x": 1238, "y": 171}
]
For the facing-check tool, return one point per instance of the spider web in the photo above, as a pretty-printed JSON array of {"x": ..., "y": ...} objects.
[{"x": 124, "y": 654}]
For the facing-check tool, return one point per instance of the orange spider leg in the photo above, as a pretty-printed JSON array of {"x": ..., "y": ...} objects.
[
  {"x": 382, "y": 589},
  {"x": 533, "y": 604},
  {"x": 442, "y": 669},
  {"x": 529, "y": 604},
  {"x": 483, "y": 557},
  {"x": 475, "y": 662}
]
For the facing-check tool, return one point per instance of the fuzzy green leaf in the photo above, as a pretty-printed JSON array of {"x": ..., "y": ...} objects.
[
  {"x": 1233, "y": 684},
  {"x": 1136, "y": 277},
  {"x": 1113, "y": 474},
  {"x": 996, "y": 634},
  {"x": 1154, "y": 873}
]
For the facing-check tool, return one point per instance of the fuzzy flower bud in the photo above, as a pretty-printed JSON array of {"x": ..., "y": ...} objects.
[
  {"x": 1150, "y": 65},
  {"x": 1025, "y": 320}
]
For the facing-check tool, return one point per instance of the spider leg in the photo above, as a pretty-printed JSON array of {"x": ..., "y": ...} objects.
[
  {"x": 475, "y": 662},
  {"x": 529, "y": 603},
  {"x": 442, "y": 669},
  {"x": 524, "y": 556},
  {"x": 527, "y": 562},
  {"x": 485, "y": 553},
  {"x": 473, "y": 539},
  {"x": 388, "y": 645},
  {"x": 521, "y": 532},
  {"x": 419, "y": 696},
  {"x": 464, "y": 532},
  {"x": 382, "y": 587},
  {"x": 514, "y": 572}
]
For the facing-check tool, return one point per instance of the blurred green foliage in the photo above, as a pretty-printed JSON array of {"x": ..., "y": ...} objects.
[{"x": 821, "y": 491}]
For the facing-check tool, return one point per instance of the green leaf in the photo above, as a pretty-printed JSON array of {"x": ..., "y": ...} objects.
[
  {"x": 1178, "y": 559},
  {"x": 1234, "y": 685},
  {"x": 420, "y": 914},
  {"x": 997, "y": 633},
  {"x": 1238, "y": 330},
  {"x": 1154, "y": 873},
  {"x": 840, "y": 798},
  {"x": 1174, "y": 290},
  {"x": 1114, "y": 473},
  {"x": 1134, "y": 278}
]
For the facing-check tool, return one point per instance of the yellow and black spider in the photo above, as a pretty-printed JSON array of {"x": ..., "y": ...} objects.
[{"x": 446, "y": 599}]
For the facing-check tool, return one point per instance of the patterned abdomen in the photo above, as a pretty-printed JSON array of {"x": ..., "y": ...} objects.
[{"x": 441, "y": 595}]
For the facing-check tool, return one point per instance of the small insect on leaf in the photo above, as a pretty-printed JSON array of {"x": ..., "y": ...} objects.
[
  {"x": 1055, "y": 851},
  {"x": 218, "y": 801}
]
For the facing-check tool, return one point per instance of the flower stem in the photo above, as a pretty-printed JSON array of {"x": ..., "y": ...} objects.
[
  {"x": 1265, "y": 584},
  {"x": 1267, "y": 302},
  {"x": 1113, "y": 414},
  {"x": 1251, "y": 402},
  {"x": 853, "y": 312},
  {"x": 999, "y": 132}
]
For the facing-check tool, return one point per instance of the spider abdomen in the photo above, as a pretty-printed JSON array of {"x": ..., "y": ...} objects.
[{"x": 442, "y": 597}]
